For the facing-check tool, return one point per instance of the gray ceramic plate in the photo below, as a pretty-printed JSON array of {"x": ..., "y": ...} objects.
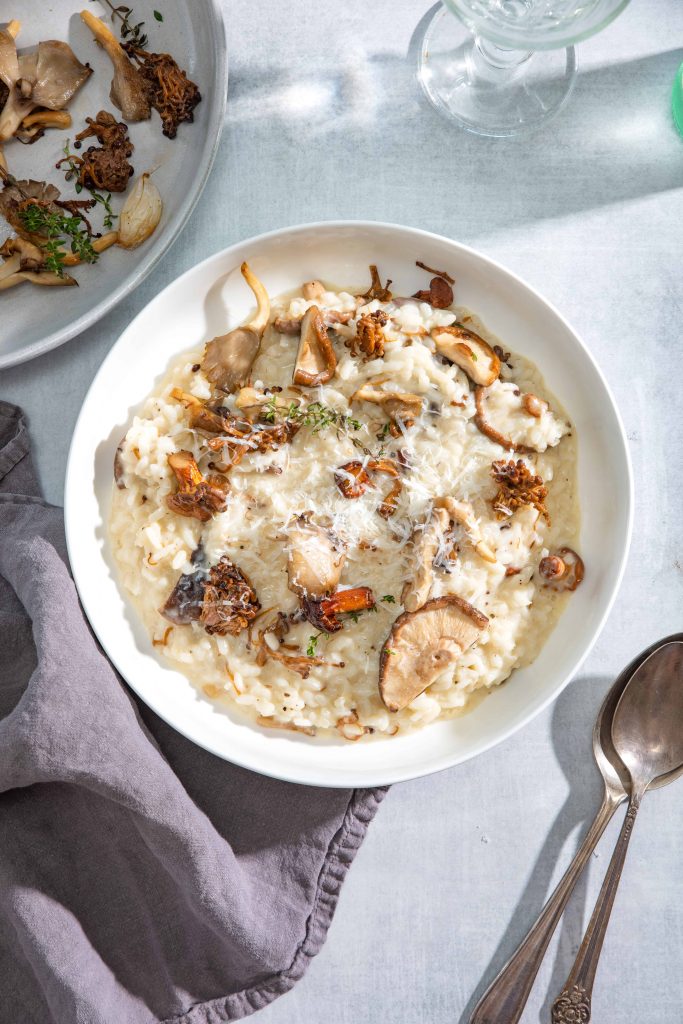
[{"x": 32, "y": 319}]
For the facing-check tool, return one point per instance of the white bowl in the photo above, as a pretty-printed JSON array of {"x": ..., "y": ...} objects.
[{"x": 211, "y": 298}]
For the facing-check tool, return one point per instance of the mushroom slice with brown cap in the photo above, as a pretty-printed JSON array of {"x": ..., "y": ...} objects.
[
  {"x": 422, "y": 644},
  {"x": 315, "y": 358},
  {"x": 196, "y": 498},
  {"x": 462, "y": 512},
  {"x": 228, "y": 359},
  {"x": 127, "y": 88},
  {"x": 468, "y": 351},
  {"x": 484, "y": 425},
  {"x": 426, "y": 541},
  {"x": 396, "y": 404},
  {"x": 315, "y": 558}
]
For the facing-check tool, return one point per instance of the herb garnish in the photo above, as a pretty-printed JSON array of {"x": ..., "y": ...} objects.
[
  {"x": 389, "y": 598},
  {"x": 128, "y": 31},
  {"x": 315, "y": 415},
  {"x": 158, "y": 16},
  {"x": 73, "y": 172},
  {"x": 58, "y": 229},
  {"x": 312, "y": 645}
]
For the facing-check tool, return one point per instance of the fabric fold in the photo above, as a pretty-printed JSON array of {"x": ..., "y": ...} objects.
[{"x": 141, "y": 878}]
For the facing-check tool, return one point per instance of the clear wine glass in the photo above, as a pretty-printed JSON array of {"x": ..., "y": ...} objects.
[{"x": 504, "y": 66}]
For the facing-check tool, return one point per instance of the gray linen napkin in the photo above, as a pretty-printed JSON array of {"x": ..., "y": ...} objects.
[{"x": 141, "y": 879}]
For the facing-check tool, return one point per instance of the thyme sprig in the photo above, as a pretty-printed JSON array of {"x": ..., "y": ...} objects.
[
  {"x": 58, "y": 229},
  {"x": 316, "y": 415},
  {"x": 73, "y": 172},
  {"x": 128, "y": 30}
]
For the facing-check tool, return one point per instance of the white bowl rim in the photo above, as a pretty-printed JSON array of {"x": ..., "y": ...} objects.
[{"x": 393, "y": 775}]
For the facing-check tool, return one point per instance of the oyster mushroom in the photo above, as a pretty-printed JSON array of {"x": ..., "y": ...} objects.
[
  {"x": 229, "y": 357},
  {"x": 127, "y": 88},
  {"x": 468, "y": 351},
  {"x": 426, "y": 541},
  {"x": 462, "y": 512},
  {"x": 422, "y": 644},
  {"x": 196, "y": 498},
  {"x": 563, "y": 571},
  {"x": 31, "y": 257},
  {"x": 396, "y": 404},
  {"x": 315, "y": 358},
  {"x": 47, "y": 77},
  {"x": 315, "y": 558}
]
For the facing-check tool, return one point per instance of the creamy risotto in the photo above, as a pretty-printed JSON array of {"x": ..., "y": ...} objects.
[{"x": 351, "y": 514}]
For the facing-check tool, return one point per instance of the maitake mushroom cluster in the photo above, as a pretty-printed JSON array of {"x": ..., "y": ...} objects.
[{"x": 241, "y": 419}]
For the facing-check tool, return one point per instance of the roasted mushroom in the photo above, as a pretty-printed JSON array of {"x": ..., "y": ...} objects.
[
  {"x": 31, "y": 257},
  {"x": 48, "y": 77},
  {"x": 167, "y": 88},
  {"x": 426, "y": 540},
  {"x": 468, "y": 351},
  {"x": 315, "y": 558},
  {"x": 563, "y": 571},
  {"x": 196, "y": 498},
  {"x": 369, "y": 337},
  {"x": 230, "y": 602},
  {"x": 229, "y": 357},
  {"x": 377, "y": 290},
  {"x": 242, "y": 438},
  {"x": 483, "y": 424},
  {"x": 292, "y": 325},
  {"x": 315, "y": 359},
  {"x": 105, "y": 166},
  {"x": 462, "y": 512},
  {"x": 184, "y": 603},
  {"x": 396, "y": 404},
  {"x": 128, "y": 92},
  {"x": 517, "y": 487},
  {"x": 322, "y": 612},
  {"x": 422, "y": 644},
  {"x": 352, "y": 480}
]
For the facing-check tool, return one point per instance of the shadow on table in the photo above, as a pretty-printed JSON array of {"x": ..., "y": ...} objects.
[
  {"x": 613, "y": 142},
  {"x": 574, "y": 715}
]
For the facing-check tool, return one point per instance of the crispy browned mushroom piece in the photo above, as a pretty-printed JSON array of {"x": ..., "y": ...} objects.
[
  {"x": 297, "y": 662},
  {"x": 369, "y": 337},
  {"x": 167, "y": 88},
  {"x": 105, "y": 166},
  {"x": 353, "y": 479},
  {"x": 315, "y": 558},
  {"x": 244, "y": 438},
  {"x": 422, "y": 644},
  {"x": 468, "y": 351},
  {"x": 517, "y": 487},
  {"x": 48, "y": 77},
  {"x": 439, "y": 294},
  {"x": 315, "y": 359},
  {"x": 229, "y": 357},
  {"x": 534, "y": 406},
  {"x": 426, "y": 540},
  {"x": 128, "y": 92},
  {"x": 462, "y": 512},
  {"x": 563, "y": 571},
  {"x": 230, "y": 602},
  {"x": 377, "y": 290},
  {"x": 322, "y": 612},
  {"x": 396, "y": 404},
  {"x": 196, "y": 497}
]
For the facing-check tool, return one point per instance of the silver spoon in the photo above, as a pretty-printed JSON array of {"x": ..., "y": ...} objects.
[
  {"x": 647, "y": 732},
  {"x": 505, "y": 999}
]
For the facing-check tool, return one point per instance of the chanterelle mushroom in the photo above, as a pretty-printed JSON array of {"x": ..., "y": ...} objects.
[
  {"x": 128, "y": 91},
  {"x": 422, "y": 644},
  {"x": 196, "y": 497},
  {"x": 426, "y": 541},
  {"x": 229, "y": 357},
  {"x": 468, "y": 351},
  {"x": 315, "y": 358},
  {"x": 315, "y": 558},
  {"x": 563, "y": 571}
]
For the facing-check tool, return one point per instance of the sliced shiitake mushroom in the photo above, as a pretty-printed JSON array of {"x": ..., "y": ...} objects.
[
  {"x": 315, "y": 358},
  {"x": 228, "y": 358},
  {"x": 422, "y": 644},
  {"x": 468, "y": 351},
  {"x": 315, "y": 558}
]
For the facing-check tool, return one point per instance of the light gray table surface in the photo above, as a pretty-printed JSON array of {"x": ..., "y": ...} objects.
[{"x": 325, "y": 121}]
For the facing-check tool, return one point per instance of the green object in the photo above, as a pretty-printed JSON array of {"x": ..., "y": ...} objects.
[{"x": 677, "y": 100}]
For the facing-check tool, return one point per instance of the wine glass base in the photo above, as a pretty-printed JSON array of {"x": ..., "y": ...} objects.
[{"x": 517, "y": 92}]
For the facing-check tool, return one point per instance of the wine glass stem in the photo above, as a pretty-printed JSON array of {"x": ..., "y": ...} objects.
[{"x": 494, "y": 63}]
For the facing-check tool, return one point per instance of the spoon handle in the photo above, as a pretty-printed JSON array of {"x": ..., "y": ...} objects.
[
  {"x": 574, "y": 1001},
  {"x": 505, "y": 999}
]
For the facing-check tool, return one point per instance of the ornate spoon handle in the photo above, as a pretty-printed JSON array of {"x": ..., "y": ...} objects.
[
  {"x": 505, "y": 999},
  {"x": 574, "y": 1001}
]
